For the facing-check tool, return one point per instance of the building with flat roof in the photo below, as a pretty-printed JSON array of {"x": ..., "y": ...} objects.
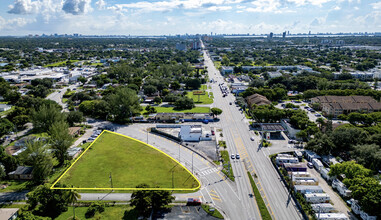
[{"x": 331, "y": 216}]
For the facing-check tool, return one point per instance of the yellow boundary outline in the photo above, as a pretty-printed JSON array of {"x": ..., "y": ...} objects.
[{"x": 169, "y": 189}]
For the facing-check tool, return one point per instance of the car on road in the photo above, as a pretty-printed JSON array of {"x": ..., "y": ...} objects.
[
  {"x": 212, "y": 131},
  {"x": 318, "y": 115},
  {"x": 232, "y": 156},
  {"x": 252, "y": 138},
  {"x": 237, "y": 156},
  {"x": 291, "y": 141},
  {"x": 312, "y": 110},
  {"x": 193, "y": 201},
  {"x": 310, "y": 165},
  {"x": 230, "y": 103},
  {"x": 306, "y": 107}
]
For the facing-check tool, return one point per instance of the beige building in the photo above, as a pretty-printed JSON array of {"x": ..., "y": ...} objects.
[
  {"x": 257, "y": 99},
  {"x": 337, "y": 105}
]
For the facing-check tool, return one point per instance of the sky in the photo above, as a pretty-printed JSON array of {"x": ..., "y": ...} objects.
[{"x": 169, "y": 17}]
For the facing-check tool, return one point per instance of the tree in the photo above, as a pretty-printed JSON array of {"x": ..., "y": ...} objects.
[
  {"x": 2, "y": 172},
  {"x": 149, "y": 89},
  {"x": 193, "y": 84},
  {"x": 184, "y": 103},
  {"x": 74, "y": 117},
  {"x": 157, "y": 100},
  {"x": 5, "y": 126},
  {"x": 216, "y": 111},
  {"x": 124, "y": 103},
  {"x": 350, "y": 169},
  {"x": 175, "y": 85},
  {"x": 82, "y": 79},
  {"x": 368, "y": 155},
  {"x": 60, "y": 140},
  {"x": 145, "y": 201},
  {"x": 37, "y": 156},
  {"x": 47, "y": 202},
  {"x": 345, "y": 138},
  {"x": 46, "y": 116},
  {"x": 71, "y": 196},
  {"x": 150, "y": 109}
]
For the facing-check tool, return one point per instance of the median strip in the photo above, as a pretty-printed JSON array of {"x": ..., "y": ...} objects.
[{"x": 265, "y": 214}]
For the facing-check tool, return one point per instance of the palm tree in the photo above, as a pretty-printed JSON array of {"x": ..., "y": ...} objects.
[{"x": 71, "y": 196}]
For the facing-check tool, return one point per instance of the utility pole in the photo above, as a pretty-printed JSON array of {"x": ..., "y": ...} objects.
[
  {"x": 179, "y": 153},
  {"x": 111, "y": 181},
  {"x": 147, "y": 136}
]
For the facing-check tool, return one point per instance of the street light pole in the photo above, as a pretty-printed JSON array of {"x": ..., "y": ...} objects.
[
  {"x": 147, "y": 136},
  {"x": 192, "y": 162},
  {"x": 179, "y": 153}
]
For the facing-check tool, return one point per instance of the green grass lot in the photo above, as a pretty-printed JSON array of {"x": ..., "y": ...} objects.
[
  {"x": 14, "y": 186},
  {"x": 110, "y": 213},
  {"x": 130, "y": 162},
  {"x": 204, "y": 99},
  {"x": 62, "y": 63},
  {"x": 226, "y": 157},
  {"x": 171, "y": 110}
]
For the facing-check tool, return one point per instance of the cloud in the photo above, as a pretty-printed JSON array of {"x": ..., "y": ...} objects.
[
  {"x": 76, "y": 7},
  {"x": 376, "y": 5},
  {"x": 14, "y": 24},
  {"x": 219, "y": 8},
  {"x": 101, "y": 4},
  {"x": 317, "y": 22},
  {"x": 24, "y": 7}
]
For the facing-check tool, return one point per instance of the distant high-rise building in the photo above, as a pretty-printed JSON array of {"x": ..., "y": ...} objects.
[
  {"x": 196, "y": 45},
  {"x": 284, "y": 35},
  {"x": 309, "y": 33},
  {"x": 211, "y": 33},
  {"x": 288, "y": 32},
  {"x": 181, "y": 46},
  {"x": 271, "y": 35}
]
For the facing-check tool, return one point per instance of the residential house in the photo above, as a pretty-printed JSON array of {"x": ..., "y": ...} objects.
[
  {"x": 74, "y": 152},
  {"x": 322, "y": 207},
  {"x": 281, "y": 160},
  {"x": 357, "y": 210},
  {"x": 341, "y": 188},
  {"x": 317, "y": 164},
  {"x": 5, "y": 107},
  {"x": 257, "y": 99},
  {"x": 74, "y": 131},
  {"x": 331, "y": 216},
  {"x": 295, "y": 167},
  {"x": 21, "y": 173},
  {"x": 308, "y": 180},
  {"x": 8, "y": 213},
  {"x": 317, "y": 197},
  {"x": 308, "y": 189},
  {"x": 324, "y": 173}
]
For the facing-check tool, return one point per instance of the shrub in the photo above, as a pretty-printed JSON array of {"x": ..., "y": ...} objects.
[{"x": 94, "y": 208}]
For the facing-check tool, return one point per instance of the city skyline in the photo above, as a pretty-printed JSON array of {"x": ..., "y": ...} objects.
[{"x": 165, "y": 17}]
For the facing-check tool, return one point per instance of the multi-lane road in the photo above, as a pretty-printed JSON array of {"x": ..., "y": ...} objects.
[{"x": 237, "y": 134}]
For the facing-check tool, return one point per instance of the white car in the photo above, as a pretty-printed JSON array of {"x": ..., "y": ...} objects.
[
  {"x": 237, "y": 157},
  {"x": 232, "y": 156},
  {"x": 252, "y": 138}
]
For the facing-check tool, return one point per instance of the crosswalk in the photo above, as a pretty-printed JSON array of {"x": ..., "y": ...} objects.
[{"x": 208, "y": 171}]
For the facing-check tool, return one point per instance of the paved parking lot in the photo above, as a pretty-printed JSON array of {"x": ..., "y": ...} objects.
[{"x": 187, "y": 212}]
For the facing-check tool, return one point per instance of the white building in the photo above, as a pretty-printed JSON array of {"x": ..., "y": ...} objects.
[
  {"x": 317, "y": 164},
  {"x": 357, "y": 210},
  {"x": 341, "y": 188},
  {"x": 190, "y": 133},
  {"x": 317, "y": 197},
  {"x": 331, "y": 216},
  {"x": 282, "y": 160},
  {"x": 297, "y": 180},
  {"x": 308, "y": 189},
  {"x": 324, "y": 173},
  {"x": 227, "y": 70},
  {"x": 322, "y": 207},
  {"x": 4, "y": 107},
  {"x": 300, "y": 174}
]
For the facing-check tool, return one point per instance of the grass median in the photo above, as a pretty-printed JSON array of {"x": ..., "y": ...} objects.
[
  {"x": 227, "y": 168},
  {"x": 261, "y": 204}
]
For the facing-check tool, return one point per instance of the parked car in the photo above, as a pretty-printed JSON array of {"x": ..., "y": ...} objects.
[
  {"x": 252, "y": 138},
  {"x": 212, "y": 131},
  {"x": 318, "y": 115},
  {"x": 193, "y": 201},
  {"x": 310, "y": 165}
]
